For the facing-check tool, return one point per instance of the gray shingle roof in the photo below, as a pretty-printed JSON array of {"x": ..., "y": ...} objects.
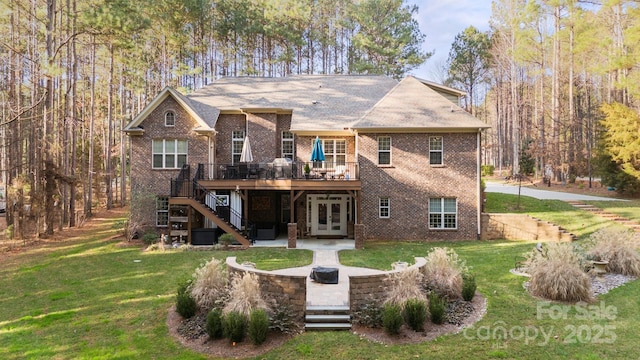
[
  {"x": 414, "y": 105},
  {"x": 317, "y": 102}
]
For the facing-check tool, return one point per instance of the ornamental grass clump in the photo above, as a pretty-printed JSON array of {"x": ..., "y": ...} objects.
[
  {"x": 209, "y": 286},
  {"x": 245, "y": 295},
  {"x": 404, "y": 285},
  {"x": 556, "y": 274},
  {"x": 619, "y": 247},
  {"x": 443, "y": 272}
]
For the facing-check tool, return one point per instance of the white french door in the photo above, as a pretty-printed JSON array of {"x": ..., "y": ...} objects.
[{"x": 328, "y": 215}]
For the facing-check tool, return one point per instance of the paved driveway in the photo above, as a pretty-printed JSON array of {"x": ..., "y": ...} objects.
[{"x": 543, "y": 194}]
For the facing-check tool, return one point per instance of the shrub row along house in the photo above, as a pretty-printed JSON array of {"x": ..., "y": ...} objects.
[{"x": 360, "y": 157}]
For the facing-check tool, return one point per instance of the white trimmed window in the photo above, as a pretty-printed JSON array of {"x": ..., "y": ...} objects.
[
  {"x": 435, "y": 150},
  {"x": 384, "y": 209},
  {"x": 443, "y": 213},
  {"x": 335, "y": 152},
  {"x": 237, "y": 140},
  {"x": 384, "y": 150},
  {"x": 162, "y": 211},
  {"x": 287, "y": 145},
  {"x": 170, "y": 118},
  {"x": 169, "y": 153}
]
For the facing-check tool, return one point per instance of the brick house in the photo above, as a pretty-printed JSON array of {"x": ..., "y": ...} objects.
[{"x": 401, "y": 160}]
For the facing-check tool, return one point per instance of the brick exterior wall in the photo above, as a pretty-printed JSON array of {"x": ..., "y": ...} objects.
[
  {"x": 145, "y": 179},
  {"x": 410, "y": 181},
  {"x": 290, "y": 287}
]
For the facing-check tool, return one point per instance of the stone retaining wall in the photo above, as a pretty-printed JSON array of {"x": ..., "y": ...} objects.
[
  {"x": 521, "y": 227},
  {"x": 291, "y": 287},
  {"x": 364, "y": 289}
]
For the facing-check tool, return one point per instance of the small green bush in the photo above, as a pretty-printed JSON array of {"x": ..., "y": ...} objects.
[
  {"x": 437, "y": 306},
  {"x": 150, "y": 238},
  {"x": 415, "y": 314},
  {"x": 369, "y": 315},
  {"x": 185, "y": 305},
  {"x": 215, "y": 325},
  {"x": 282, "y": 318},
  {"x": 487, "y": 170},
  {"x": 235, "y": 326},
  {"x": 392, "y": 318},
  {"x": 258, "y": 326},
  {"x": 468, "y": 287},
  {"x": 226, "y": 239}
]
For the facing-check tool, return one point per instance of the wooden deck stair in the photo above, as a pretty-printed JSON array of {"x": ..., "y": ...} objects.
[
  {"x": 325, "y": 318},
  {"x": 634, "y": 225},
  {"x": 209, "y": 214}
]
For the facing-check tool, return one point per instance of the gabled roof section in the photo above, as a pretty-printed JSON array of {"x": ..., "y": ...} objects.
[
  {"x": 205, "y": 116},
  {"x": 414, "y": 106},
  {"x": 319, "y": 104}
]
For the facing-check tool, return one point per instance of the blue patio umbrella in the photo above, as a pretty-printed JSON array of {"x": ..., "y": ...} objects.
[{"x": 317, "y": 154}]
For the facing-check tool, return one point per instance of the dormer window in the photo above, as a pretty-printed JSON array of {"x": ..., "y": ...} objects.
[{"x": 170, "y": 118}]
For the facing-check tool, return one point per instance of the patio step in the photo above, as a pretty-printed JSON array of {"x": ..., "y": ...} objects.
[{"x": 327, "y": 318}]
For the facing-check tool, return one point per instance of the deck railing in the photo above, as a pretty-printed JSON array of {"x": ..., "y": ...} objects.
[{"x": 319, "y": 170}]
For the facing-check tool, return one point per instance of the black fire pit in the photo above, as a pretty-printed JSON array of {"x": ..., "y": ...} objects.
[{"x": 324, "y": 275}]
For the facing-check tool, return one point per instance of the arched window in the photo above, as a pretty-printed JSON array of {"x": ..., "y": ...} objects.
[{"x": 170, "y": 118}]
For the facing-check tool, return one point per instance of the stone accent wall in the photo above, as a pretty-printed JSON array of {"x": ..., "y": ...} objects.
[
  {"x": 364, "y": 289},
  {"x": 144, "y": 179},
  {"x": 410, "y": 181},
  {"x": 293, "y": 288},
  {"x": 521, "y": 227}
]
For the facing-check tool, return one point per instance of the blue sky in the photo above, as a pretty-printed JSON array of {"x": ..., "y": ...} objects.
[{"x": 441, "y": 21}]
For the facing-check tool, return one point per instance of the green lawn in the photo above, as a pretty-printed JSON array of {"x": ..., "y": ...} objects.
[{"x": 90, "y": 299}]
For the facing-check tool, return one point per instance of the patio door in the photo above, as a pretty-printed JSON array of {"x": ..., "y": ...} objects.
[{"x": 328, "y": 215}]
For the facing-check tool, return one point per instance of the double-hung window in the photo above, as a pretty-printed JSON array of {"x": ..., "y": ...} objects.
[
  {"x": 162, "y": 211},
  {"x": 384, "y": 150},
  {"x": 335, "y": 152},
  {"x": 443, "y": 213},
  {"x": 169, "y": 153},
  {"x": 237, "y": 140},
  {"x": 287, "y": 145},
  {"x": 435, "y": 150},
  {"x": 384, "y": 208}
]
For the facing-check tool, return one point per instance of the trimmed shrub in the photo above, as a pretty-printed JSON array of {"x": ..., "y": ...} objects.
[
  {"x": 209, "y": 287},
  {"x": 226, "y": 239},
  {"x": 235, "y": 326},
  {"x": 468, "y": 286},
  {"x": 215, "y": 324},
  {"x": 443, "y": 272},
  {"x": 258, "y": 326},
  {"x": 437, "y": 306},
  {"x": 185, "y": 305},
  {"x": 392, "y": 318},
  {"x": 404, "y": 285},
  {"x": 415, "y": 313},
  {"x": 618, "y": 246},
  {"x": 556, "y": 274},
  {"x": 245, "y": 295},
  {"x": 487, "y": 170}
]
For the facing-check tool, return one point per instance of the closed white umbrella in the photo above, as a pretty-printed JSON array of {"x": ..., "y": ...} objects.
[{"x": 246, "y": 156}]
